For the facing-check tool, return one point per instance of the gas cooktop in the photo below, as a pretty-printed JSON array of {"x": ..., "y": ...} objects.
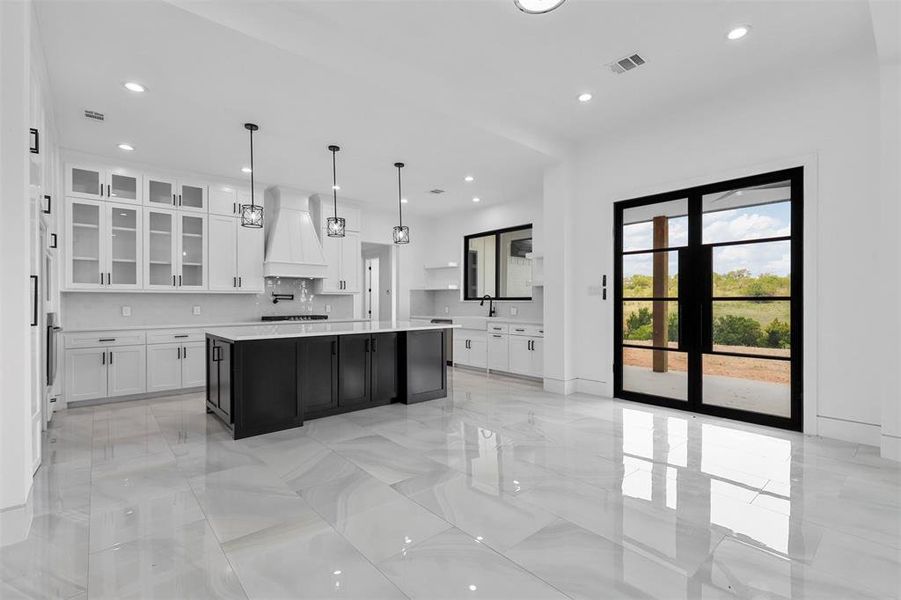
[{"x": 295, "y": 318}]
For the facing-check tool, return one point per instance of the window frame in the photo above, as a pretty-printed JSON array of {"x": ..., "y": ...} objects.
[{"x": 497, "y": 272}]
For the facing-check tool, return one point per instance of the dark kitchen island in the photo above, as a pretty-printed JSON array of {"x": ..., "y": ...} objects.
[{"x": 264, "y": 378}]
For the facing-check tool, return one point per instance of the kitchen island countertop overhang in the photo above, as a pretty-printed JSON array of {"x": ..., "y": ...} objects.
[{"x": 266, "y": 378}]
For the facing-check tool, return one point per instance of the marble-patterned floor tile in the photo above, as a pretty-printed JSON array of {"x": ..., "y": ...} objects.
[
  {"x": 584, "y": 565},
  {"x": 107, "y": 449},
  {"x": 331, "y": 430},
  {"x": 307, "y": 559},
  {"x": 122, "y": 483},
  {"x": 186, "y": 562},
  {"x": 210, "y": 456},
  {"x": 62, "y": 488},
  {"x": 246, "y": 500},
  {"x": 161, "y": 516},
  {"x": 479, "y": 509},
  {"x": 851, "y": 558},
  {"x": 384, "y": 459},
  {"x": 349, "y": 495},
  {"x": 453, "y": 565}
]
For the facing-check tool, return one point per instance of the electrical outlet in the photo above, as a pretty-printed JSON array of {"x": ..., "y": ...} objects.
[
  {"x": 328, "y": 308},
  {"x": 196, "y": 309},
  {"x": 513, "y": 311},
  {"x": 126, "y": 311},
  {"x": 446, "y": 309}
]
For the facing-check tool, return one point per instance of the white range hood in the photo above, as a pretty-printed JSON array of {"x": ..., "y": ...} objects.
[{"x": 293, "y": 248}]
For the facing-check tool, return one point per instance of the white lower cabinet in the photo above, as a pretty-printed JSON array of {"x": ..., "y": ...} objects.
[
  {"x": 470, "y": 348},
  {"x": 498, "y": 352},
  {"x": 104, "y": 372},
  {"x": 173, "y": 366},
  {"x": 526, "y": 356}
]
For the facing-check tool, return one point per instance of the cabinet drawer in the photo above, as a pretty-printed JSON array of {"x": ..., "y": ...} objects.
[
  {"x": 498, "y": 327},
  {"x": 168, "y": 336},
  {"x": 527, "y": 330},
  {"x": 105, "y": 339}
]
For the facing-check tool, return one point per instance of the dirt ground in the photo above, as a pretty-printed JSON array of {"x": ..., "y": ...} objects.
[{"x": 771, "y": 371}]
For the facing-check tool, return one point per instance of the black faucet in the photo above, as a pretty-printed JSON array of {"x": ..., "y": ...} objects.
[{"x": 491, "y": 309}]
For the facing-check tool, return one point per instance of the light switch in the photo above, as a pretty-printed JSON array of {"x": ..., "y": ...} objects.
[
  {"x": 126, "y": 311},
  {"x": 196, "y": 309},
  {"x": 446, "y": 309},
  {"x": 513, "y": 311},
  {"x": 328, "y": 308}
]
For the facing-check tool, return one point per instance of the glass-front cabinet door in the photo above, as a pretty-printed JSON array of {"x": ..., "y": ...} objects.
[
  {"x": 159, "y": 248},
  {"x": 123, "y": 246},
  {"x": 124, "y": 185},
  {"x": 84, "y": 268},
  {"x": 159, "y": 191},
  {"x": 85, "y": 182},
  {"x": 192, "y": 250},
  {"x": 192, "y": 196}
]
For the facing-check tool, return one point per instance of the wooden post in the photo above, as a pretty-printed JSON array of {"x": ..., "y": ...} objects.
[{"x": 660, "y": 287}]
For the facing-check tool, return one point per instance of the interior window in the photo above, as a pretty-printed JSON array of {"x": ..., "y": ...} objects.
[{"x": 499, "y": 264}]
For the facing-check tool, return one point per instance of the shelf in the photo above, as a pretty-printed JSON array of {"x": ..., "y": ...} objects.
[
  {"x": 455, "y": 288},
  {"x": 167, "y": 263},
  {"x": 85, "y": 226},
  {"x": 191, "y": 264},
  {"x": 158, "y": 232},
  {"x": 450, "y": 265},
  {"x": 124, "y": 228},
  {"x": 192, "y": 235},
  {"x": 124, "y": 260},
  {"x": 89, "y": 258}
]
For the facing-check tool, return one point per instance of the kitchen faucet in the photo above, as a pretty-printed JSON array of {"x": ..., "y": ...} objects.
[{"x": 491, "y": 309}]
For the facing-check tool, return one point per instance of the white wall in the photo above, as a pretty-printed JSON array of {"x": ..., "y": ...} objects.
[
  {"x": 828, "y": 121},
  {"x": 15, "y": 385}
]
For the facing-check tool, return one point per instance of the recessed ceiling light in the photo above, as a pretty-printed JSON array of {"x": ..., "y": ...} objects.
[
  {"x": 133, "y": 86},
  {"x": 585, "y": 97},
  {"x": 476, "y": 199},
  {"x": 403, "y": 200},
  {"x": 246, "y": 170},
  {"x": 126, "y": 147},
  {"x": 537, "y": 7},
  {"x": 469, "y": 179},
  {"x": 736, "y": 33}
]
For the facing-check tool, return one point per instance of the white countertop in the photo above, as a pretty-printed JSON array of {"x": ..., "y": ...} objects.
[
  {"x": 510, "y": 320},
  {"x": 294, "y": 330},
  {"x": 203, "y": 326}
]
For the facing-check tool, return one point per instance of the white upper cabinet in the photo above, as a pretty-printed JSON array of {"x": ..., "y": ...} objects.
[
  {"x": 223, "y": 200},
  {"x": 250, "y": 250},
  {"x": 160, "y": 246},
  {"x": 160, "y": 191},
  {"x": 101, "y": 183},
  {"x": 103, "y": 245},
  {"x": 236, "y": 256},
  {"x": 192, "y": 196},
  {"x": 191, "y": 254},
  {"x": 344, "y": 260}
]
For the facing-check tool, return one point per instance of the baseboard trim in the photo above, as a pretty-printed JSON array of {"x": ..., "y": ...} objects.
[
  {"x": 849, "y": 431},
  {"x": 592, "y": 387},
  {"x": 130, "y": 397},
  {"x": 564, "y": 387},
  {"x": 890, "y": 447}
]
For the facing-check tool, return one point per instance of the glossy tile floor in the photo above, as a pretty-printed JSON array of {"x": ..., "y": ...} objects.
[{"x": 500, "y": 491}]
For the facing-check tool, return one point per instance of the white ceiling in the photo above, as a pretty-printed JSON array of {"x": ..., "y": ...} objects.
[{"x": 449, "y": 87}]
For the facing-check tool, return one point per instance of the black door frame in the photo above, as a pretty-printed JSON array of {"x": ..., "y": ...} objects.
[{"x": 695, "y": 292}]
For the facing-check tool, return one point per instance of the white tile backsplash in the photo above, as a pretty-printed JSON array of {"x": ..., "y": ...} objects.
[
  {"x": 431, "y": 302},
  {"x": 102, "y": 310}
]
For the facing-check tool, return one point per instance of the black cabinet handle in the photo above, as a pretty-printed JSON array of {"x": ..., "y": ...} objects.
[
  {"x": 35, "y": 141},
  {"x": 179, "y": 199},
  {"x": 53, "y": 240},
  {"x": 234, "y": 282},
  {"x": 34, "y": 291},
  {"x": 366, "y": 346},
  {"x": 179, "y": 353},
  {"x": 110, "y": 358},
  {"x": 519, "y": 330},
  {"x": 173, "y": 199},
  {"x": 184, "y": 352},
  {"x": 103, "y": 357},
  {"x": 179, "y": 281},
  {"x": 373, "y": 344},
  {"x": 108, "y": 192},
  {"x": 49, "y": 202},
  {"x": 181, "y": 335},
  {"x": 173, "y": 280},
  {"x": 109, "y": 279},
  {"x": 107, "y": 340},
  {"x": 216, "y": 356},
  {"x": 334, "y": 348},
  {"x": 240, "y": 282}
]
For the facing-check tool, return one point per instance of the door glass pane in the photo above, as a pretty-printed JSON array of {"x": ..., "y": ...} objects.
[
  {"x": 515, "y": 267},
  {"x": 159, "y": 192},
  {"x": 192, "y": 250},
  {"x": 656, "y": 372},
  {"x": 85, "y": 243},
  {"x": 751, "y": 213},
  {"x": 192, "y": 196},
  {"x": 757, "y": 326},
  {"x": 651, "y": 323},
  {"x": 124, "y": 232},
  {"x": 660, "y": 225},
  {"x": 480, "y": 262},
  {"x": 160, "y": 248},
  {"x": 85, "y": 181},
  {"x": 754, "y": 384},
  {"x": 651, "y": 275},
  {"x": 124, "y": 187},
  {"x": 762, "y": 269}
]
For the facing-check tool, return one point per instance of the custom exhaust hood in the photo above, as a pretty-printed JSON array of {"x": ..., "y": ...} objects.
[{"x": 293, "y": 248}]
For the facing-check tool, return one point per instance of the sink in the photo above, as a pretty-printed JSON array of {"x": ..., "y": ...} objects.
[{"x": 471, "y": 322}]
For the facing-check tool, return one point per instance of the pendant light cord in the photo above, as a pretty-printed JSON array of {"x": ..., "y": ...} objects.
[
  {"x": 252, "y": 207},
  {"x": 400, "y": 215},
  {"x": 334, "y": 184}
]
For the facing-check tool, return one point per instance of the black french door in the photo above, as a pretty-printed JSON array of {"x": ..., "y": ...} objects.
[{"x": 708, "y": 299}]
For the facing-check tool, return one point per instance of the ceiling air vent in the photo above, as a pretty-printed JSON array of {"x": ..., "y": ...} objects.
[
  {"x": 436, "y": 191},
  {"x": 93, "y": 115},
  {"x": 626, "y": 64}
]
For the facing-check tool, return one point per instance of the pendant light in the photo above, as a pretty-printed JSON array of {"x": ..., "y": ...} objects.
[
  {"x": 401, "y": 231},
  {"x": 251, "y": 214},
  {"x": 537, "y": 7},
  {"x": 335, "y": 224}
]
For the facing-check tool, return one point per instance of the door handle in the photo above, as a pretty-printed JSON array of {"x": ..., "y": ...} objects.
[
  {"x": 179, "y": 200},
  {"x": 184, "y": 352},
  {"x": 36, "y": 137},
  {"x": 234, "y": 282},
  {"x": 49, "y": 203},
  {"x": 101, "y": 190},
  {"x": 34, "y": 317},
  {"x": 240, "y": 282},
  {"x": 179, "y": 281},
  {"x": 108, "y": 193},
  {"x": 110, "y": 358},
  {"x": 103, "y": 357},
  {"x": 109, "y": 279},
  {"x": 173, "y": 281},
  {"x": 173, "y": 199},
  {"x": 179, "y": 353},
  {"x": 52, "y": 240}
]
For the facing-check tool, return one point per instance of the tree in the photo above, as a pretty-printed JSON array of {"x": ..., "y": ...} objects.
[
  {"x": 733, "y": 330},
  {"x": 777, "y": 334},
  {"x": 638, "y": 325}
]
